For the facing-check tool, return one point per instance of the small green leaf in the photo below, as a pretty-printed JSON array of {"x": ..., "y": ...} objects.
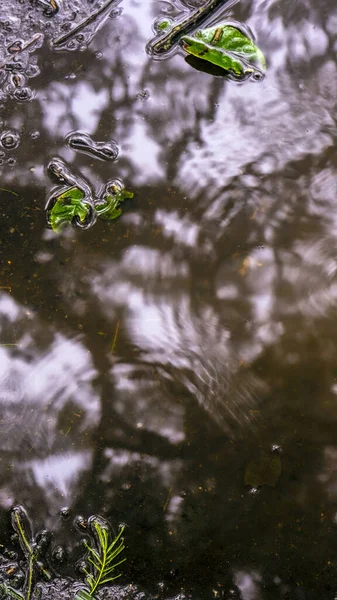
[
  {"x": 227, "y": 47},
  {"x": 93, "y": 552},
  {"x": 109, "y": 208},
  {"x": 265, "y": 470},
  {"x": 83, "y": 595},
  {"x": 92, "y": 562},
  {"x": 67, "y": 206},
  {"x": 164, "y": 25},
  {"x": 110, "y": 579},
  {"x": 73, "y": 193},
  {"x": 110, "y": 569}
]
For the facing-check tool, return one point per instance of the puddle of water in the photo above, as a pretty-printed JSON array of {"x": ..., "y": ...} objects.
[{"x": 145, "y": 362}]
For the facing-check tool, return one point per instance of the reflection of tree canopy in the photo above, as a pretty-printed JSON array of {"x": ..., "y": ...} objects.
[{"x": 222, "y": 277}]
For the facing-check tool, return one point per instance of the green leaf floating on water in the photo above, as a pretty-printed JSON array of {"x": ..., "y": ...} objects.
[
  {"x": 265, "y": 470},
  {"x": 72, "y": 204},
  {"x": 109, "y": 208},
  {"x": 67, "y": 206},
  {"x": 227, "y": 47}
]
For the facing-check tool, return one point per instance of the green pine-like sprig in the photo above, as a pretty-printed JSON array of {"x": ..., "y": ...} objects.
[{"x": 101, "y": 558}]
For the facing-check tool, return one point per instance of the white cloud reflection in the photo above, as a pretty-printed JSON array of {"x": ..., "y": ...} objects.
[{"x": 48, "y": 407}]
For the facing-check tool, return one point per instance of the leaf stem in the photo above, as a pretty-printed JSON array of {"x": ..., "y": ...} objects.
[
  {"x": 23, "y": 535},
  {"x": 30, "y": 555},
  {"x": 166, "y": 43},
  {"x": 30, "y": 576}
]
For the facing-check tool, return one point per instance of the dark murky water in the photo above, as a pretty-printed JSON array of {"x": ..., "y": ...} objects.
[{"x": 145, "y": 362}]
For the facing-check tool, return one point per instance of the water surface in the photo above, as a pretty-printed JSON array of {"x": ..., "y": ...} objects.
[{"x": 145, "y": 362}]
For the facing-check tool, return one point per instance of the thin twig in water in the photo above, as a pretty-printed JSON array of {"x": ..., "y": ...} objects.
[
  {"x": 115, "y": 338},
  {"x": 166, "y": 503},
  {"x": 21, "y": 49},
  {"x": 67, "y": 36},
  {"x": 196, "y": 18},
  {"x": 10, "y": 191}
]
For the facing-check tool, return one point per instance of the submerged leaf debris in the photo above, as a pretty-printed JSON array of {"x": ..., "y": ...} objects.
[{"x": 265, "y": 470}]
